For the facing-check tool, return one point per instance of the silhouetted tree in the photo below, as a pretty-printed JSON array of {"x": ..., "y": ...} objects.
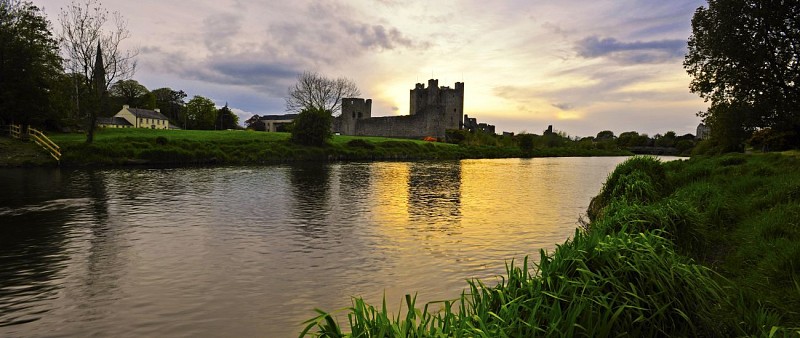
[
  {"x": 744, "y": 57},
  {"x": 170, "y": 102},
  {"x": 315, "y": 91},
  {"x": 130, "y": 92},
  {"x": 29, "y": 63},
  {"x": 226, "y": 119}
]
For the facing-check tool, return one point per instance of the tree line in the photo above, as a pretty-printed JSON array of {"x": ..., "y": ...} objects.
[{"x": 64, "y": 80}]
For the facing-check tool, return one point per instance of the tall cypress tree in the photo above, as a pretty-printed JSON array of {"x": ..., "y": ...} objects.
[{"x": 99, "y": 89}]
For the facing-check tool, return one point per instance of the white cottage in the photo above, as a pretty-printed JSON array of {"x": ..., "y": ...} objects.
[{"x": 135, "y": 118}]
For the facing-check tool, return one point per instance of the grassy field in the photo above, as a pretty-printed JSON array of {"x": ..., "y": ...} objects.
[
  {"x": 705, "y": 247},
  {"x": 16, "y": 153},
  {"x": 180, "y": 147}
]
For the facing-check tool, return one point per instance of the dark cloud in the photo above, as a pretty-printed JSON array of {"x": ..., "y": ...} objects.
[
  {"x": 632, "y": 52},
  {"x": 377, "y": 36},
  {"x": 563, "y": 106}
]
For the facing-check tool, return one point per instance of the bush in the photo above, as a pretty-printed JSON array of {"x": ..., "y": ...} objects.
[
  {"x": 312, "y": 127},
  {"x": 359, "y": 143}
]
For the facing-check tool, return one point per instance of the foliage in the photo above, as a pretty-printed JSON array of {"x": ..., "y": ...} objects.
[
  {"x": 171, "y": 103},
  {"x": 226, "y": 119},
  {"x": 744, "y": 58},
  {"x": 130, "y": 92},
  {"x": 200, "y": 113},
  {"x": 639, "y": 179},
  {"x": 29, "y": 64},
  {"x": 315, "y": 91},
  {"x": 312, "y": 127}
]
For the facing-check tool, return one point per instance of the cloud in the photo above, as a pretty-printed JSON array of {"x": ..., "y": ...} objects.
[
  {"x": 377, "y": 36},
  {"x": 563, "y": 106},
  {"x": 632, "y": 52}
]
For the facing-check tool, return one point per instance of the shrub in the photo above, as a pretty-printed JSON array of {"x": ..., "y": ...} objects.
[
  {"x": 359, "y": 143},
  {"x": 312, "y": 127}
]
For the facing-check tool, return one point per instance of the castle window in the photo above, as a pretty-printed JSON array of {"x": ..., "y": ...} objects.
[
  {"x": 359, "y": 114},
  {"x": 354, "y": 114}
]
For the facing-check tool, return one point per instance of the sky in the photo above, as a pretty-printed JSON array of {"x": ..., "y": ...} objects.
[{"x": 581, "y": 66}]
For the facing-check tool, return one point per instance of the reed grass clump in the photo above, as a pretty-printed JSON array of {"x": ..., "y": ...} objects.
[{"x": 638, "y": 179}]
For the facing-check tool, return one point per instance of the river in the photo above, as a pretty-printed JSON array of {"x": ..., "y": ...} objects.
[{"x": 251, "y": 251}]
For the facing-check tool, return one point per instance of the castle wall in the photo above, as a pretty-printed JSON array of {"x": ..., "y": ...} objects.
[
  {"x": 432, "y": 110},
  {"x": 408, "y": 126}
]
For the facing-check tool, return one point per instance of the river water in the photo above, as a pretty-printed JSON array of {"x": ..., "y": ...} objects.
[{"x": 251, "y": 251}]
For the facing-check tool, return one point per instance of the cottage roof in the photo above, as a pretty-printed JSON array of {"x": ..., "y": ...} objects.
[
  {"x": 114, "y": 120},
  {"x": 278, "y": 117},
  {"x": 147, "y": 114}
]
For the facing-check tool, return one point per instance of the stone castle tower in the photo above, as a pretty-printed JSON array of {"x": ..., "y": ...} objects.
[
  {"x": 353, "y": 109},
  {"x": 443, "y": 106}
]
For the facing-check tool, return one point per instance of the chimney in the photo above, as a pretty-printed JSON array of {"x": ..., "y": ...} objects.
[
  {"x": 125, "y": 106},
  {"x": 158, "y": 110}
]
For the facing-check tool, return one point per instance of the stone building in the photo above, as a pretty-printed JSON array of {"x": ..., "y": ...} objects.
[{"x": 432, "y": 111}]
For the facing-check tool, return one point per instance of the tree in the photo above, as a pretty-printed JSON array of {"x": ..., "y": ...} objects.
[
  {"x": 129, "y": 92},
  {"x": 200, "y": 113},
  {"x": 170, "y": 102},
  {"x": 83, "y": 28},
  {"x": 744, "y": 57},
  {"x": 226, "y": 119},
  {"x": 315, "y": 91},
  {"x": 30, "y": 66},
  {"x": 312, "y": 127},
  {"x": 605, "y": 135}
]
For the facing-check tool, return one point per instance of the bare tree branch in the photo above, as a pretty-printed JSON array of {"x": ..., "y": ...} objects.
[
  {"x": 82, "y": 29},
  {"x": 314, "y": 90}
]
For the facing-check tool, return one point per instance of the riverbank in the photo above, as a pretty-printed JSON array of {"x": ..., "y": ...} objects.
[
  {"x": 17, "y": 153},
  {"x": 704, "y": 247},
  {"x": 119, "y": 147}
]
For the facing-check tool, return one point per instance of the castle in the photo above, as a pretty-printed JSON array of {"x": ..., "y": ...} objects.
[{"x": 432, "y": 111}]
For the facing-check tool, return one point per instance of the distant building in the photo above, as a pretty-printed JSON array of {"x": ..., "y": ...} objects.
[
  {"x": 129, "y": 117},
  {"x": 703, "y": 131},
  {"x": 270, "y": 123},
  {"x": 472, "y": 125}
]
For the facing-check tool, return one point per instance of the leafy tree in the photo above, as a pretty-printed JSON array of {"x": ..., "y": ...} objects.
[
  {"x": 312, "y": 127},
  {"x": 130, "y": 92},
  {"x": 666, "y": 140},
  {"x": 605, "y": 135},
  {"x": 526, "y": 143},
  {"x": 226, "y": 119},
  {"x": 744, "y": 57},
  {"x": 170, "y": 102},
  {"x": 315, "y": 91},
  {"x": 29, "y": 63},
  {"x": 200, "y": 113},
  {"x": 83, "y": 28}
]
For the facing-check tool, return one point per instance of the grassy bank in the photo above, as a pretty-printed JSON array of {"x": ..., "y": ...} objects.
[
  {"x": 170, "y": 147},
  {"x": 16, "y": 153},
  {"x": 706, "y": 247}
]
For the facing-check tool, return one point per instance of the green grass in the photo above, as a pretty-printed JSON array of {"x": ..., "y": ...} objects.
[
  {"x": 179, "y": 147},
  {"x": 705, "y": 247}
]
